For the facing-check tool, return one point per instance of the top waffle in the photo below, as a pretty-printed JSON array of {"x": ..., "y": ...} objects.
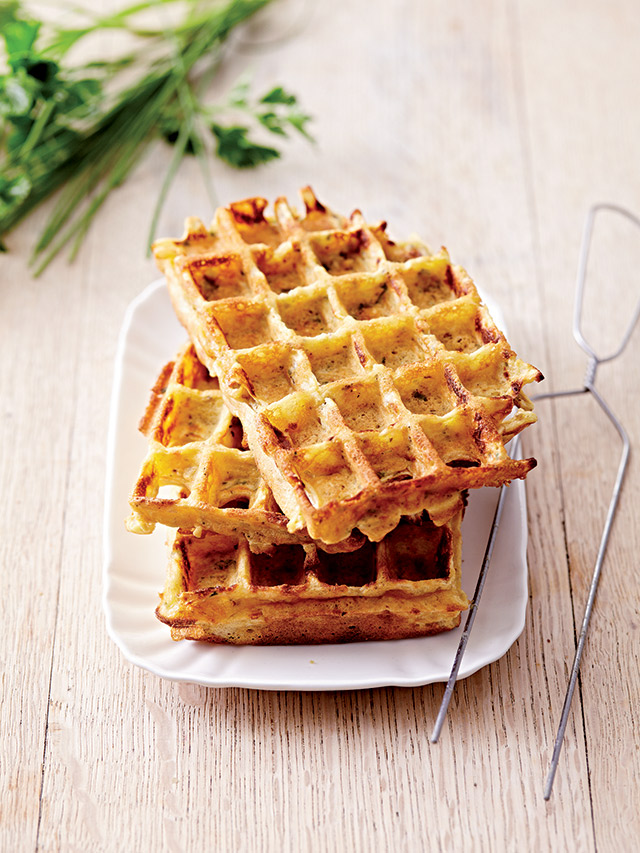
[{"x": 368, "y": 375}]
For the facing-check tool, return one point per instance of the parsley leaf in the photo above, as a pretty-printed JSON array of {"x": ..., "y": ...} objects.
[
  {"x": 272, "y": 122},
  {"x": 236, "y": 149},
  {"x": 278, "y": 96},
  {"x": 19, "y": 37},
  {"x": 277, "y": 112}
]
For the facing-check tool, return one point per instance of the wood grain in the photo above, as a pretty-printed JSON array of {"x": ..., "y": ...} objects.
[{"x": 490, "y": 128}]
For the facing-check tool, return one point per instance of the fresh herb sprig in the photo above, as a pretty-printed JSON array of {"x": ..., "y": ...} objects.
[
  {"x": 277, "y": 111},
  {"x": 65, "y": 128}
]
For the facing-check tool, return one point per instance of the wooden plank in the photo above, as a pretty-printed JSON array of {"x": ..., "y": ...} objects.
[
  {"x": 99, "y": 715},
  {"x": 38, "y": 349}
]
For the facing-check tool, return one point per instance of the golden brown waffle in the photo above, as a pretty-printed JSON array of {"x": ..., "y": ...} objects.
[
  {"x": 197, "y": 472},
  {"x": 370, "y": 379},
  {"x": 407, "y": 585}
]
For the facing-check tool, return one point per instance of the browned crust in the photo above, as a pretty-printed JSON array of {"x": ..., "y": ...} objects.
[{"x": 295, "y": 629}]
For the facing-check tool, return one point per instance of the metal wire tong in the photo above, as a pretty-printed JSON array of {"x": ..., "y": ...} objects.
[{"x": 594, "y": 362}]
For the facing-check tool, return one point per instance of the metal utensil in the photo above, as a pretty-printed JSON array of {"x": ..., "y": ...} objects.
[{"x": 594, "y": 362}]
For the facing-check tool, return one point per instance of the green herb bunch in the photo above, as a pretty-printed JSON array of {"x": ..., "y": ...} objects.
[{"x": 75, "y": 129}]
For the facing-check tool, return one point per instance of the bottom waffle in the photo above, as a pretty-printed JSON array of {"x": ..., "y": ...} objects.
[{"x": 407, "y": 585}]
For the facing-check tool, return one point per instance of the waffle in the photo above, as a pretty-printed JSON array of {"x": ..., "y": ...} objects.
[
  {"x": 407, "y": 585},
  {"x": 197, "y": 473},
  {"x": 370, "y": 379}
]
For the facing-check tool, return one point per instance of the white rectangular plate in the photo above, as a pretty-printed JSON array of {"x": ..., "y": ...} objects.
[{"x": 134, "y": 566}]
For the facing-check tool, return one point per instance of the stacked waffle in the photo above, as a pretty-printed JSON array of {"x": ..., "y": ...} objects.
[{"x": 314, "y": 442}]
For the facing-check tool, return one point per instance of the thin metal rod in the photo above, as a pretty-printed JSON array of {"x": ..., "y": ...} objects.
[
  {"x": 464, "y": 639},
  {"x": 613, "y": 505},
  {"x": 551, "y": 395}
]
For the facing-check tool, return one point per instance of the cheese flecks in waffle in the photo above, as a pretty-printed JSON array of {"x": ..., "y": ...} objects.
[
  {"x": 407, "y": 585},
  {"x": 370, "y": 379},
  {"x": 197, "y": 472}
]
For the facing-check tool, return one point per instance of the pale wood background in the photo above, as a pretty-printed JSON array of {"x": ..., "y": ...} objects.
[{"x": 490, "y": 127}]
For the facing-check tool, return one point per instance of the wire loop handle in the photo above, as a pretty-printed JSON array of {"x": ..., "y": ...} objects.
[{"x": 583, "y": 263}]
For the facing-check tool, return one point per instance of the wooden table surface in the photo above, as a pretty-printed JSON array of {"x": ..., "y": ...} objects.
[{"x": 490, "y": 128}]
